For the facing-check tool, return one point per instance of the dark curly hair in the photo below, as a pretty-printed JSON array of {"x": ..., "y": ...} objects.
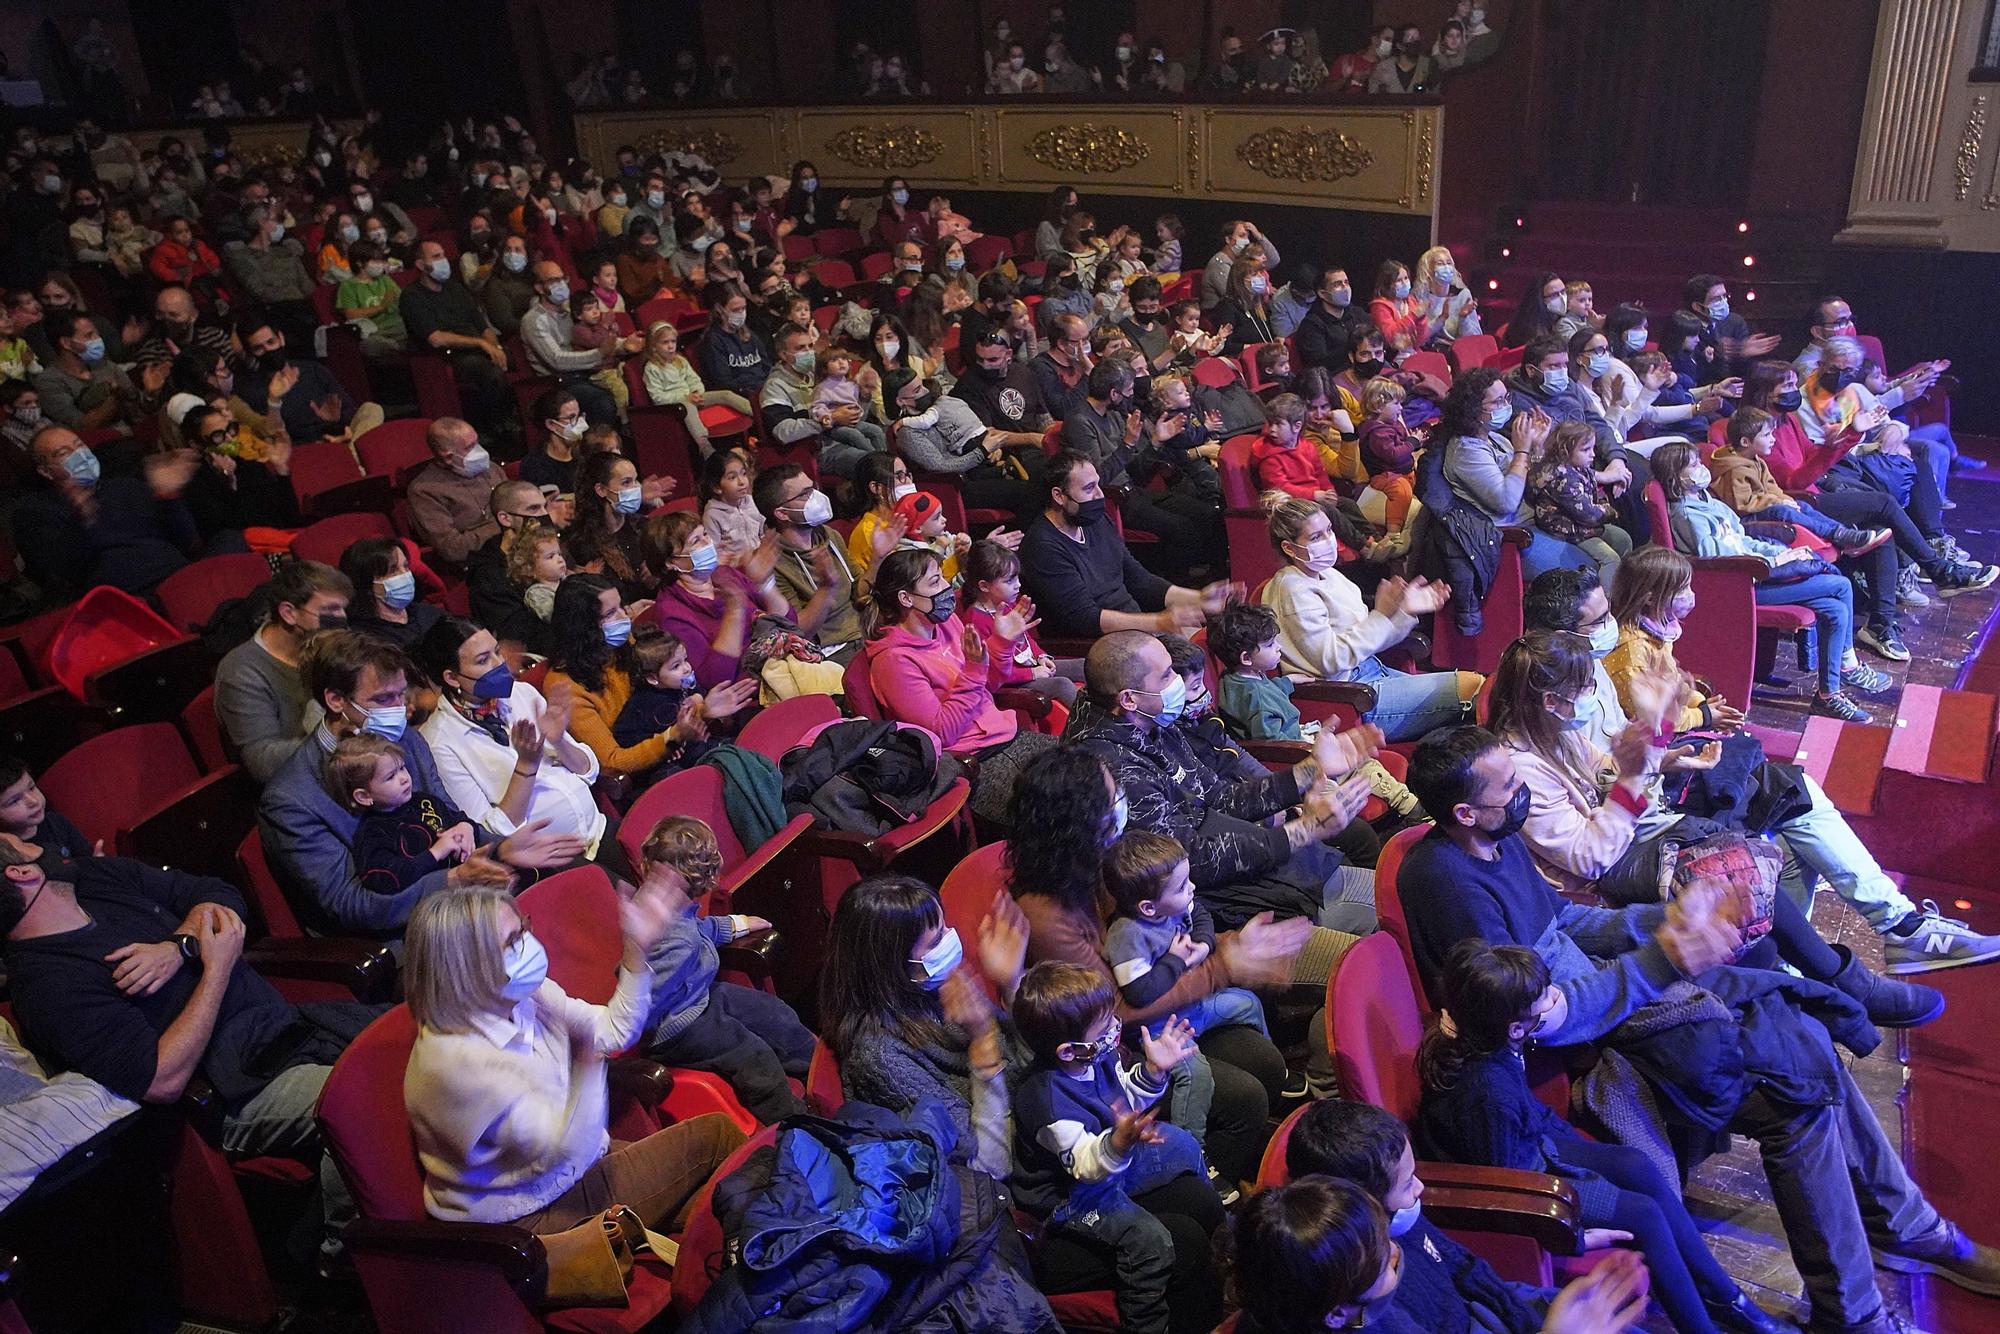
[
  {"x": 1060, "y": 825},
  {"x": 577, "y": 630},
  {"x": 1464, "y": 411}
]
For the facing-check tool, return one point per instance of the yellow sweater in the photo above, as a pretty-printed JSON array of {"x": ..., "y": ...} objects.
[
  {"x": 1638, "y": 651},
  {"x": 590, "y": 722}
]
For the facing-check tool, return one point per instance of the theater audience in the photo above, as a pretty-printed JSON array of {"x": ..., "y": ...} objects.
[{"x": 78, "y": 528}]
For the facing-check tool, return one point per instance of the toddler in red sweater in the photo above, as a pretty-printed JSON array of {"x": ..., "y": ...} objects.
[{"x": 1284, "y": 459}]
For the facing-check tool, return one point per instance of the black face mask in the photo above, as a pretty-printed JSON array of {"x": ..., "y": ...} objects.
[
  {"x": 1086, "y": 513},
  {"x": 1142, "y": 317},
  {"x": 1833, "y": 380},
  {"x": 333, "y": 620},
  {"x": 271, "y": 362},
  {"x": 997, "y": 374},
  {"x": 1368, "y": 369},
  {"x": 1788, "y": 401},
  {"x": 1513, "y": 816}
]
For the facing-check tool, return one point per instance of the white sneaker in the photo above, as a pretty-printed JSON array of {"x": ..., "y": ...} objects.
[{"x": 1939, "y": 942}]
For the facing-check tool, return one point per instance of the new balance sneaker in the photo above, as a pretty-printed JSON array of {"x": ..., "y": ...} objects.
[
  {"x": 1837, "y": 705},
  {"x": 1967, "y": 577},
  {"x": 1883, "y": 642},
  {"x": 1865, "y": 679},
  {"x": 1939, "y": 942},
  {"x": 1951, "y": 1255},
  {"x": 1907, "y": 592}
]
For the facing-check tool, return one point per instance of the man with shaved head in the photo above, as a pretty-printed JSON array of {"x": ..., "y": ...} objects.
[
  {"x": 495, "y": 601},
  {"x": 177, "y": 326},
  {"x": 451, "y": 497},
  {"x": 1240, "y": 864}
]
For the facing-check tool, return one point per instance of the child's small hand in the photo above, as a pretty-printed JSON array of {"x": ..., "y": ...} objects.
[
  {"x": 1134, "y": 1128},
  {"x": 1167, "y": 1048},
  {"x": 754, "y": 924},
  {"x": 1201, "y": 952},
  {"x": 961, "y": 543},
  {"x": 1183, "y": 948}
]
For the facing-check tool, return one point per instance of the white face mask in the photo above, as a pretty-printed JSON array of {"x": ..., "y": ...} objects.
[
  {"x": 1404, "y": 1219},
  {"x": 527, "y": 965},
  {"x": 940, "y": 960},
  {"x": 476, "y": 461},
  {"x": 903, "y": 489},
  {"x": 1699, "y": 476},
  {"x": 1604, "y": 638},
  {"x": 891, "y": 348}
]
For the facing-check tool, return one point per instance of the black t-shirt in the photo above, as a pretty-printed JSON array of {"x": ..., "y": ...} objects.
[
  {"x": 71, "y": 1009},
  {"x": 545, "y": 472},
  {"x": 450, "y": 309},
  {"x": 1013, "y": 404}
]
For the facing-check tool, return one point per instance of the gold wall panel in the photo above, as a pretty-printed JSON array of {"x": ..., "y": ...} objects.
[
  {"x": 1372, "y": 158},
  {"x": 855, "y": 147}
]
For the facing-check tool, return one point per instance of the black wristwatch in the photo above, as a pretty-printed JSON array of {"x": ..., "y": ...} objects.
[{"x": 186, "y": 945}]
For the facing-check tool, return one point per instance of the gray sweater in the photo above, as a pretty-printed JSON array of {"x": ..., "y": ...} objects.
[
  {"x": 261, "y": 704},
  {"x": 1476, "y": 467}
]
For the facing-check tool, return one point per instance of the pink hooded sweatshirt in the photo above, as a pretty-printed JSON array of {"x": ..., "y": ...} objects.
[{"x": 925, "y": 681}]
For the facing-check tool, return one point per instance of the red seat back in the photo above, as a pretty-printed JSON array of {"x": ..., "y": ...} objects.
[
  {"x": 1251, "y": 375},
  {"x": 835, "y": 273},
  {"x": 1239, "y": 476},
  {"x": 701, "y": 1244},
  {"x": 266, "y": 895},
  {"x": 191, "y": 594},
  {"x": 662, "y": 445},
  {"x": 875, "y": 264},
  {"x": 1472, "y": 350},
  {"x": 395, "y": 449},
  {"x": 321, "y": 466},
  {"x": 204, "y": 731},
  {"x": 1271, "y": 1168},
  {"x": 575, "y": 916},
  {"x": 1389, "y": 904},
  {"x": 1214, "y": 372},
  {"x": 967, "y": 895},
  {"x": 824, "y": 1092},
  {"x": 859, "y": 690},
  {"x": 326, "y": 540},
  {"x": 1502, "y": 625},
  {"x": 777, "y": 729},
  {"x": 796, "y": 246},
  {"x": 366, "y": 1125},
  {"x": 987, "y": 252},
  {"x": 113, "y": 780},
  {"x": 1374, "y": 1026},
  {"x": 837, "y": 240},
  {"x": 1506, "y": 359},
  {"x": 695, "y": 792},
  {"x": 1428, "y": 363}
]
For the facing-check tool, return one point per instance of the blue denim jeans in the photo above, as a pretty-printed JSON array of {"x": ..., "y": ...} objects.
[
  {"x": 1821, "y": 843},
  {"x": 1801, "y": 516},
  {"x": 1231, "y": 1005},
  {"x": 1550, "y": 553},
  {"x": 1409, "y": 705},
  {"x": 1830, "y": 598}
]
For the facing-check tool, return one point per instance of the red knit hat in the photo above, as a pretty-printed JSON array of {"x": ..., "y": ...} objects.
[{"x": 916, "y": 509}]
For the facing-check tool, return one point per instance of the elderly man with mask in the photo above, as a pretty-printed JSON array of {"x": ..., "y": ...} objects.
[
  {"x": 1240, "y": 864},
  {"x": 83, "y": 529},
  {"x": 545, "y": 329},
  {"x": 451, "y": 496}
]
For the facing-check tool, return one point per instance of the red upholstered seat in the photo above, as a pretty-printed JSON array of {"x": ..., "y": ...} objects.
[
  {"x": 1389, "y": 905},
  {"x": 697, "y": 793},
  {"x": 395, "y": 449},
  {"x": 1374, "y": 1025},
  {"x": 1472, "y": 350},
  {"x": 778, "y": 728},
  {"x": 191, "y": 594},
  {"x": 326, "y": 540}
]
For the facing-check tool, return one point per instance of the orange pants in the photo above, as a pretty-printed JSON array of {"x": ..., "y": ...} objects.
[{"x": 1398, "y": 491}]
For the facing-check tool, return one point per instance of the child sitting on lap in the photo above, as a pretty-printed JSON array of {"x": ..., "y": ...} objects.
[{"x": 404, "y": 834}]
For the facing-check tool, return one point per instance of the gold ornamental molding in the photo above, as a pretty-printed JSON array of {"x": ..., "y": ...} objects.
[
  {"x": 1361, "y": 157},
  {"x": 885, "y": 147},
  {"x": 1967, "y": 160},
  {"x": 1088, "y": 148},
  {"x": 715, "y": 147},
  {"x": 1305, "y": 155}
]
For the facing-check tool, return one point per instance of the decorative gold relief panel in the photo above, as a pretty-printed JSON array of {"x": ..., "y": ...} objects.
[
  {"x": 855, "y": 147},
  {"x": 1359, "y": 158},
  {"x": 1378, "y": 159},
  {"x": 1107, "y": 148}
]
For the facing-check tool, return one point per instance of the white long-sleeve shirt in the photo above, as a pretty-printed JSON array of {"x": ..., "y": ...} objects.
[
  {"x": 476, "y": 770},
  {"x": 1326, "y": 630},
  {"x": 510, "y": 1114}
]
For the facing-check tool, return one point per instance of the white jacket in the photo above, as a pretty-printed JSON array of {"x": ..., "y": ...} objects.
[{"x": 1325, "y": 629}]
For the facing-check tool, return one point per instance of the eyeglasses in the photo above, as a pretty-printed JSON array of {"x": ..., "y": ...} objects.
[{"x": 222, "y": 436}]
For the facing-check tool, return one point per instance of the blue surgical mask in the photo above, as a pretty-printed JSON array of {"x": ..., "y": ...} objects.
[
  {"x": 1401, "y": 289},
  {"x": 1582, "y": 711},
  {"x": 618, "y": 631},
  {"x": 704, "y": 559},
  {"x": 1719, "y": 310},
  {"x": 1500, "y": 416},
  {"x": 558, "y": 292},
  {"x": 1343, "y": 297},
  {"x": 629, "y": 498},
  {"x": 386, "y": 722},
  {"x": 527, "y": 965},
  {"x": 1404, "y": 1219},
  {"x": 1557, "y": 380},
  {"x": 900, "y": 197},
  {"x": 496, "y": 684},
  {"x": 1172, "y": 701},
  {"x": 938, "y": 962},
  {"x": 1604, "y": 638},
  {"x": 440, "y": 270},
  {"x": 1444, "y": 273},
  {"x": 92, "y": 352},
  {"x": 1635, "y": 340},
  {"x": 1599, "y": 363},
  {"x": 82, "y": 466},
  {"x": 398, "y": 591},
  {"x": 350, "y": 233},
  {"x": 954, "y": 262},
  {"x": 515, "y": 262}
]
